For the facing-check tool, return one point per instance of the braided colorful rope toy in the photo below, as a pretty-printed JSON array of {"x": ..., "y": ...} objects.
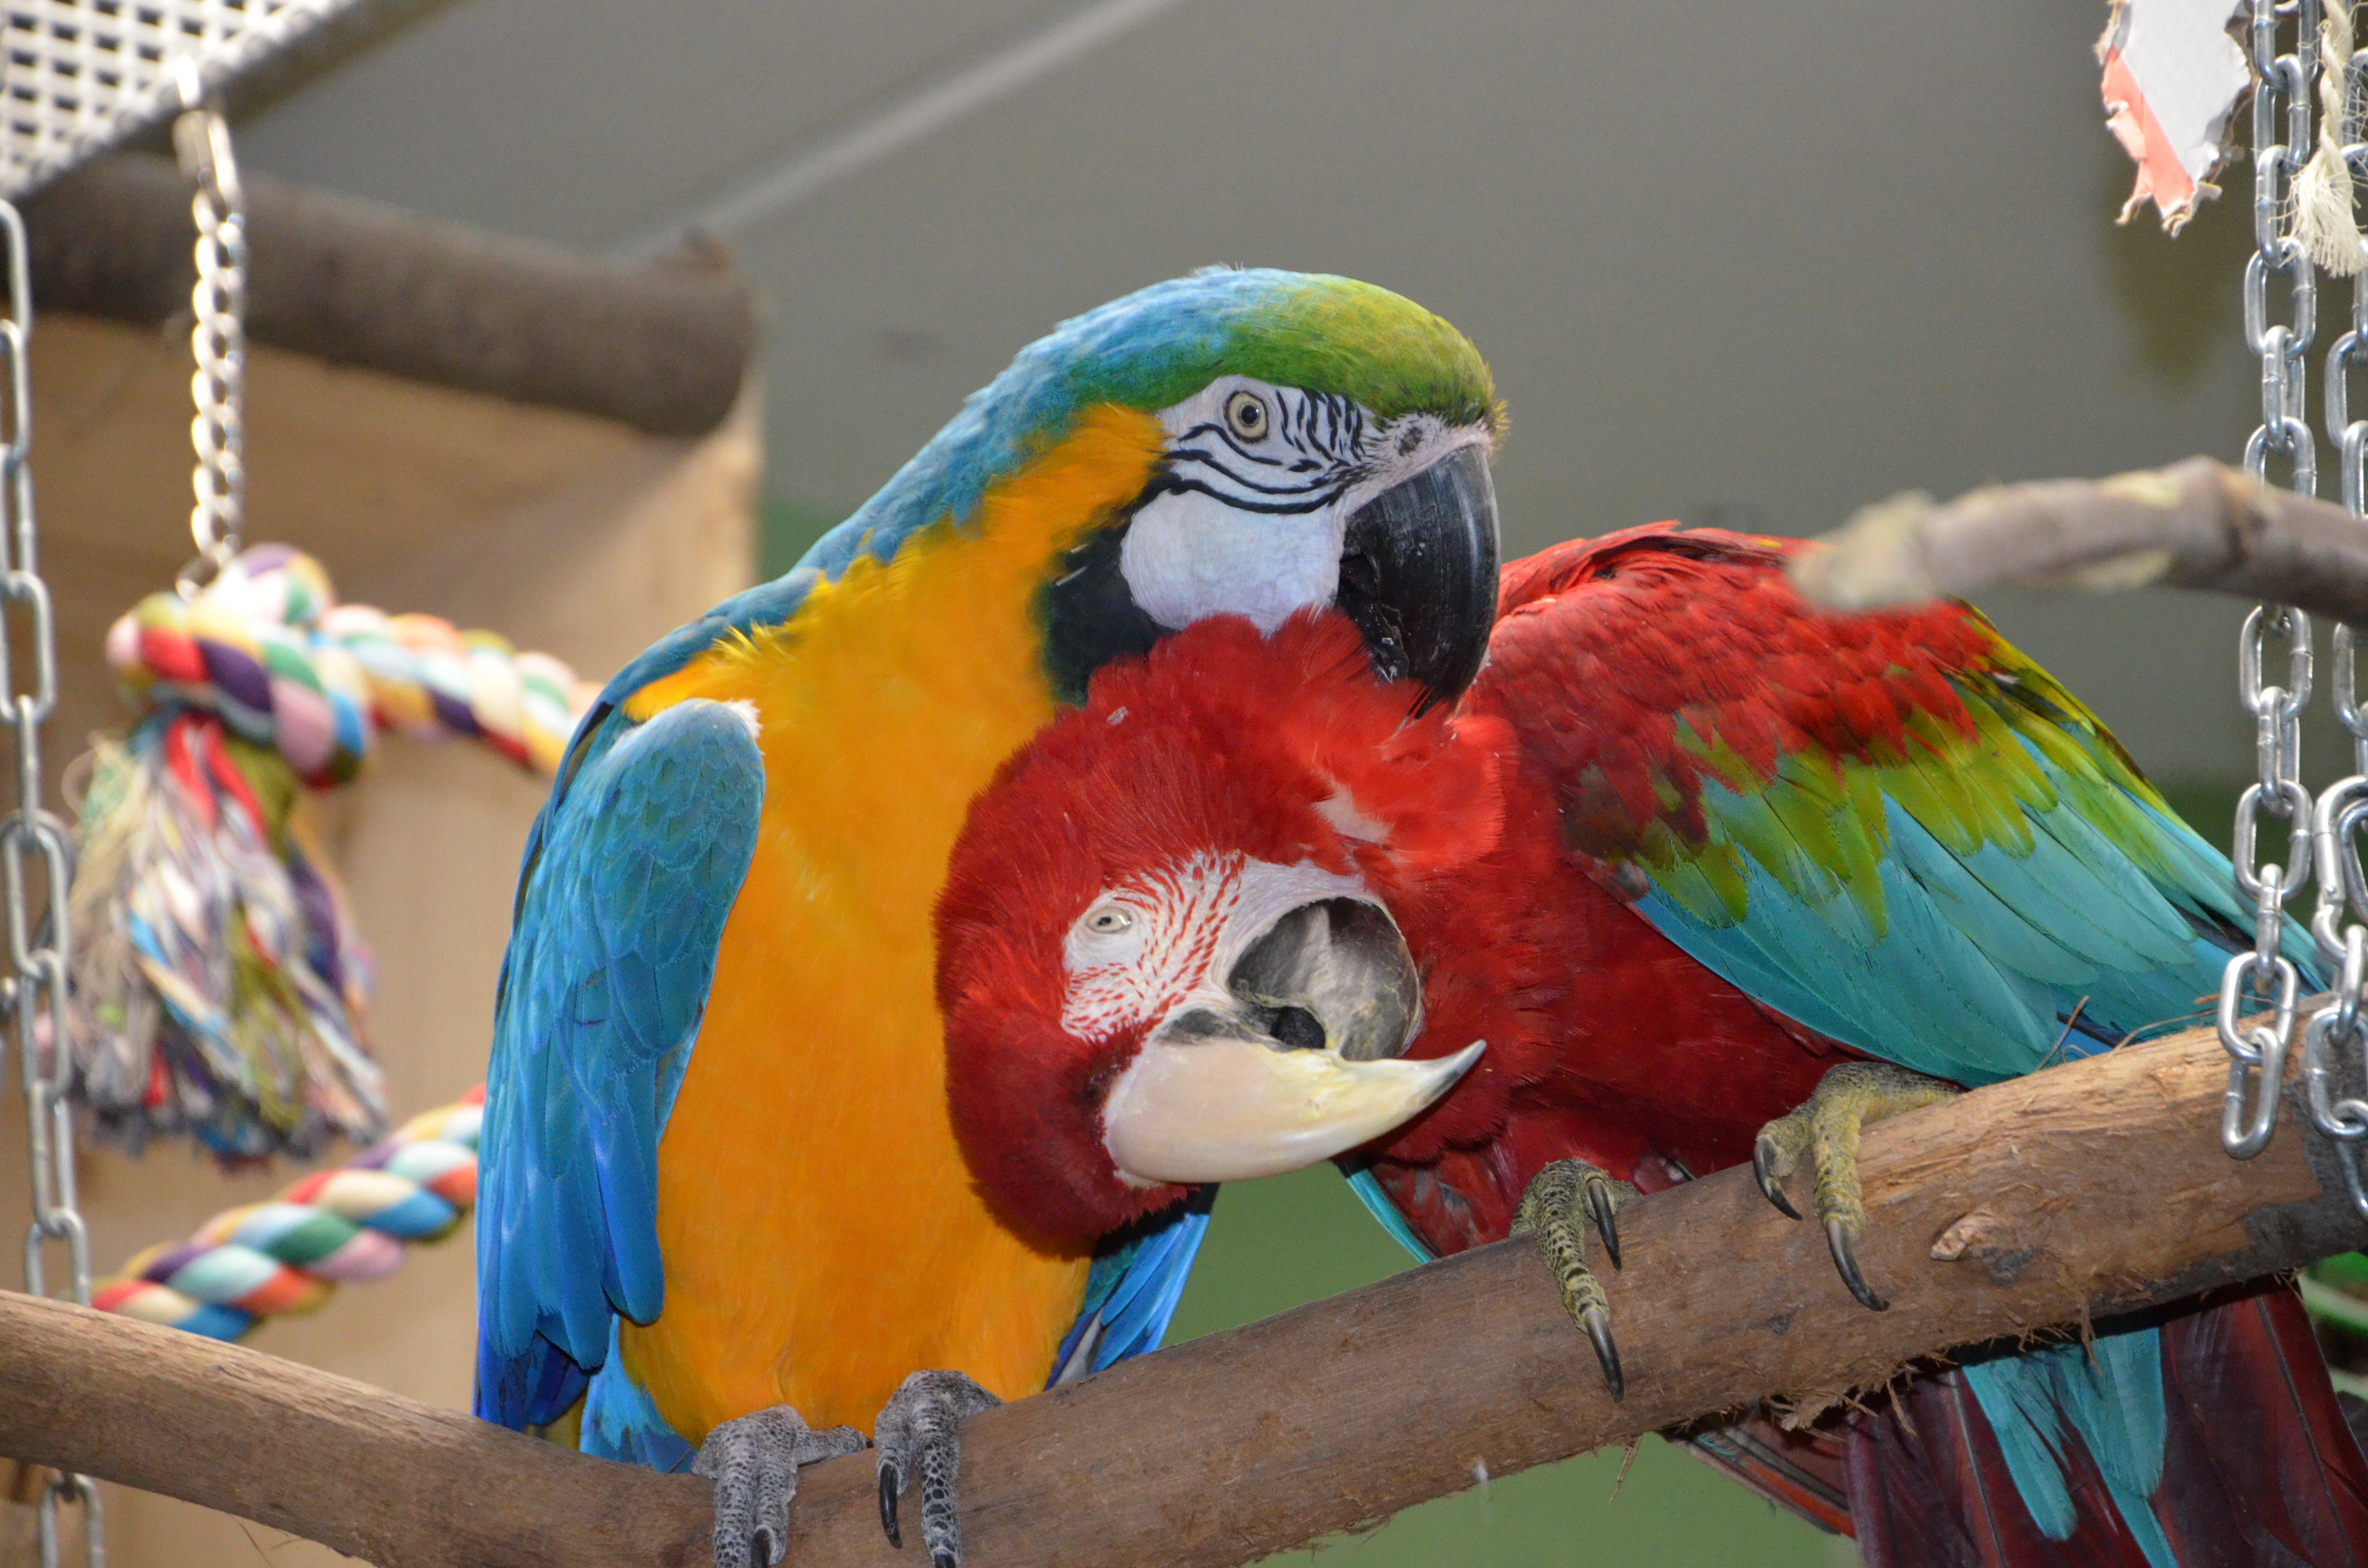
[
  {"x": 218, "y": 985},
  {"x": 267, "y": 650},
  {"x": 330, "y": 1228}
]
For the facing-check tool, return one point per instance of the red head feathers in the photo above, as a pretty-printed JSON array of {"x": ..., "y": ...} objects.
[
  {"x": 1216, "y": 921},
  {"x": 1208, "y": 847}
]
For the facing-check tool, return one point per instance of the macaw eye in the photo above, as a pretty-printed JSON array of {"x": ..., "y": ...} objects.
[
  {"x": 1108, "y": 921},
  {"x": 1246, "y": 415}
]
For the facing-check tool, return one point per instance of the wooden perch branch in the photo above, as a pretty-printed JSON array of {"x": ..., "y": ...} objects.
[
  {"x": 2093, "y": 1188},
  {"x": 663, "y": 346},
  {"x": 2197, "y": 524}
]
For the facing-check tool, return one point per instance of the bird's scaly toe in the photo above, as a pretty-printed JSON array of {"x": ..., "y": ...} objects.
[
  {"x": 1562, "y": 1200},
  {"x": 753, "y": 1462},
  {"x": 920, "y": 1438},
  {"x": 1779, "y": 1148},
  {"x": 1847, "y": 1100}
]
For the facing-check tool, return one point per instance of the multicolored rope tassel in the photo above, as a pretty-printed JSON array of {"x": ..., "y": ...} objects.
[
  {"x": 219, "y": 985},
  {"x": 330, "y": 1228}
]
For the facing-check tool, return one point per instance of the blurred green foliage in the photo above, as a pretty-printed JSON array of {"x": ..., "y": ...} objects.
[{"x": 786, "y": 529}]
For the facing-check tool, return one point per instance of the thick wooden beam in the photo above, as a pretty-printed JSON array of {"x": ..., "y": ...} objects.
[
  {"x": 662, "y": 346},
  {"x": 2089, "y": 1188},
  {"x": 2197, "y": 524}
]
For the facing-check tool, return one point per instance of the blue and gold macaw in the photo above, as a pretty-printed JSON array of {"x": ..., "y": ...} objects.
[{"x": 721, "y": 1196}]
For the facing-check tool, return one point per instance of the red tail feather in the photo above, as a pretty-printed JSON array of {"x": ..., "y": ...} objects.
[
  {"x": 1797, "y": 1471},
  {"x": 2262, "y": 1467}
]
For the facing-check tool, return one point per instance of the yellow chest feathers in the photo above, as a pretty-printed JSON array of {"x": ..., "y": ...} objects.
[{"x": 821, "y": 1236}]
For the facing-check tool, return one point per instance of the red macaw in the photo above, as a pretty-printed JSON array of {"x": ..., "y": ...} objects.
[{"x": 1706, "y": 868}]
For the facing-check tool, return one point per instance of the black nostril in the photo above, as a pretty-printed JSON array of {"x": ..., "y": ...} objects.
[{"x": 1296, "y": 1029}]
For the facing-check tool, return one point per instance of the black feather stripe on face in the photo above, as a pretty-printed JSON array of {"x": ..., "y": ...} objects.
[{"x": 1313, "y": 453}]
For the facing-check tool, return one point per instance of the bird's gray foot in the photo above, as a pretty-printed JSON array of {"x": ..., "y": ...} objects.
[
  {"x": 1561, "y": 1201},
  {"x": 1848, "y": 1098},
  {"x": 754, "y": 1463},
  {"x": 920, "y": 1438}
]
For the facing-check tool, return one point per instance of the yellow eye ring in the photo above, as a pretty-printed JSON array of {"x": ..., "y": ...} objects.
[{"x": 1246, "y": 415}]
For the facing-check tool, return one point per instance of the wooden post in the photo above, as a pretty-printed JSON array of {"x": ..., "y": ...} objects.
[
  {"x": 2091, "y": 1188},
  {"x": 663, "y": 347}
]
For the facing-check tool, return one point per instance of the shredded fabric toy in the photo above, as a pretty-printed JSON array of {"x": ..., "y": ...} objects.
[{"x": 219, "y": 984}]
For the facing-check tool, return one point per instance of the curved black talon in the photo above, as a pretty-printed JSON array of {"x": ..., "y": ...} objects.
[
  {"x": 890, "y": 1484},
  {"x": 1763, "y": 1163},
  {"x": 1598, "y": 1323},
  {"x": 943, "y": 1560},
  {"x": 1599, "y": 1209},
  {"x": 1837, "y": 1242}
]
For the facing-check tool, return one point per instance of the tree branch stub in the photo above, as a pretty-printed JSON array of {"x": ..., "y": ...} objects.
[{"x": 2197, "y": 524}]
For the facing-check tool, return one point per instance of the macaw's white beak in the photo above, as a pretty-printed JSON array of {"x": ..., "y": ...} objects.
[{"x": 1295, "y": 1060}]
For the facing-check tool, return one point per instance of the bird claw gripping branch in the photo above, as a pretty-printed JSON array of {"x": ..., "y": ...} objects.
[
  {"x": 920, "y": 1440},
  {"x": 1827, "y": 1129},
  {"x": 754, "y": 1463},
  {"x": 1561, "y": 1201},
  {"x": 218, "y": 982}
]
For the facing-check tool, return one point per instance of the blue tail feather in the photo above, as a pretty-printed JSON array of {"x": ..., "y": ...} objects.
[{"x": 2109, "y": 1391}]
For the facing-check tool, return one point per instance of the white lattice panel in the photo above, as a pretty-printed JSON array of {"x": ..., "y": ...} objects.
[{"x": 80, "y": 76}]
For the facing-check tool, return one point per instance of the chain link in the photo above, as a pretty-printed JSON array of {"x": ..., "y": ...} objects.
[
  {"x": 218, "y": 331},
  {"x": 2332, "y": 1045},
  {"x": 2257, "y": 1052},
  {"x": 2281, "y": 141},
  {"x": 34, "y": 996},
  {"x": 2335, "y": 1044},
  {"x": 2335, "y": 1047}
]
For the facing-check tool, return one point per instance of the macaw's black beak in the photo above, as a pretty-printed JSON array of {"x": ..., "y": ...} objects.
[{"x": 1418, "y": 574}]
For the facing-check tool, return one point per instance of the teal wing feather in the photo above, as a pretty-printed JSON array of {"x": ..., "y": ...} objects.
[
  {"x": 629, "y": 874},
  {"x": 2109, "y": 1391},
  {"x": 1894, "y": 829}
]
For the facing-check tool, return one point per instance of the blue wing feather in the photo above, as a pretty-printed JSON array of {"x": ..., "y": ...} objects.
[
  {"x": 1133, "y": 1290},
  {"x": 629, "y": 874},
  {"x": 622, "y": 1422},
  {"x": 2110, "y": 1391},
  {"x": 1368, "y": 1188}
]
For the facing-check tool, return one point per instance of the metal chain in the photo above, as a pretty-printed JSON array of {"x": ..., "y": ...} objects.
[
  {"x": 2332, "y": 1043},
  {"x": 218, "y": 333},
  {"x": 2281, "y": 141},
  {"x": 2336, "y": 1044},
  {"x": 34, "y": 994}
]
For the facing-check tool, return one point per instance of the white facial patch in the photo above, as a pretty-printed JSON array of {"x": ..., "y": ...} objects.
[
  {"x": 1188, "y": 555},
  {"x": 1261, "y": 482},
  {"x": 1178, "y": 931},
  {"x": 1406, "y": 446}
]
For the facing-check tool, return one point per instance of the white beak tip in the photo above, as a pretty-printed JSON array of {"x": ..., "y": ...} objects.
[{"x": 1230, "y": 1109}]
